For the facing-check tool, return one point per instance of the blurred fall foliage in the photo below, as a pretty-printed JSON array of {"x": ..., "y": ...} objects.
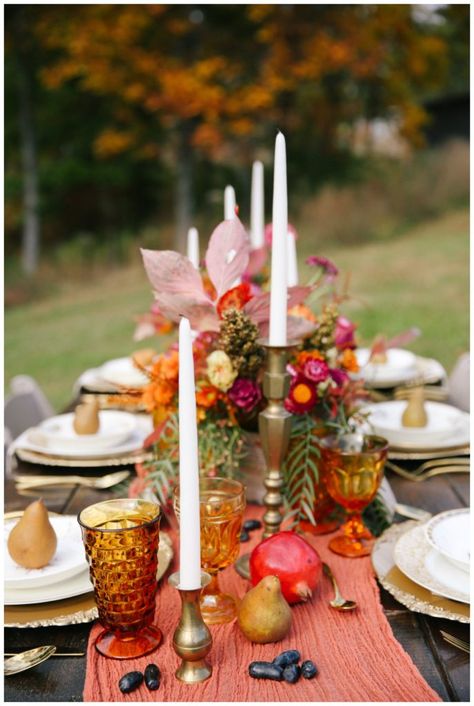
[{"x": 179, "y": 86}]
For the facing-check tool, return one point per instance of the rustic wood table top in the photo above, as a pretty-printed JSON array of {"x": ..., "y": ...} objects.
[{"x": 444, "y": 667}]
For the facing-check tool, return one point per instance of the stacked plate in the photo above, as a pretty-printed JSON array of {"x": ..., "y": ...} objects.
[
  {"x": 447, "y": 428},
  {"x": 61, "y": 592},
  {"x": 401, "y": 367},
  {"x": 114, "y": 375},
  {"x": 436, "y": 555},
  {"x": 55, "y": 443}
]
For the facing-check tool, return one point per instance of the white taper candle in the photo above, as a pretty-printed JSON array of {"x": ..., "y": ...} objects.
[
  {"x": 189, "y": 529},
  {"x": 193, "y": 247},
  {"x": 229, "y": 203},
  {"x": 278, "y": 291},
  {"x": 257, "y": 207},
  {"x": 293, "y": 278}
]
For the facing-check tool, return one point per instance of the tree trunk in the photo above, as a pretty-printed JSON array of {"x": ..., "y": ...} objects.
[
  {"x": 31, "y": 224},
  {"x": 183, "y": 194}
]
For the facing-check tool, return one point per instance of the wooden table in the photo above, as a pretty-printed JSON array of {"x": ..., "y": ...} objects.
[{"x": 444, "y": 667}]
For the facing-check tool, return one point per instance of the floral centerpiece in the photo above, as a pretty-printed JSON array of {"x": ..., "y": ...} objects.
[{"x": 229, "y": 314}]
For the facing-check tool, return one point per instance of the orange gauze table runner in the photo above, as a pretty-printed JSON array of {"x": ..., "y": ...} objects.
[{"x": 356, "y": 653}]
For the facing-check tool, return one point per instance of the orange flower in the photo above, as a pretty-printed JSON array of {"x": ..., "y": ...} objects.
[
  {"x": 234, "y": 298},
  {"x": 302, "y": 393},
  {"x": 207, "y": 396},
  {"x": 349, "y": 361},
  {"x": 158, "y": 393},
  {"x": 170, "y": 366},
  {"x": 303, "y": 356}
]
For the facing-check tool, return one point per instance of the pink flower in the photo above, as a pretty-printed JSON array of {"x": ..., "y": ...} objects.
[
  {"x": 245, "y": 394},
  {"x": 329, "y": 268},
  {"x": 268, "y": 233},
  {"x": 316, "y": 370},
  {"x": 344, "y": 334},
  {"x": 339, "y": 376}
]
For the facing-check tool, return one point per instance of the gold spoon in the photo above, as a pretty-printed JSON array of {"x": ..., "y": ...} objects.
[
  {"x": 338, "y": 602},
  {"x": 28, "y": 659}
]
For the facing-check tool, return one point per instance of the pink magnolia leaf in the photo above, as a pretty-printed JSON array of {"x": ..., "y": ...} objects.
[
  {"x": 202, "y": 316},
  {"x": 297, "y": 327},
  {"x": 172, "y": 273},
  {"x": 227, "y": 255},
  {"x": 257, "y": 261},
  {"x": 258, "y": 308},
  {"x": 144, "y": 329},
  {"x": 404, "y": 338}
]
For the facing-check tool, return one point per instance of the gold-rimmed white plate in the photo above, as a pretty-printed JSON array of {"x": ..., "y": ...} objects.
[
  {"x": 75, "y": 610},
  {"x": 427, "y": 372},
  {"x": 403, "y": 589}
]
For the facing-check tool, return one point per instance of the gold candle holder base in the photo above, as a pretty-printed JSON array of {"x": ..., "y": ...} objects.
[{"x": 192, "y": 639}]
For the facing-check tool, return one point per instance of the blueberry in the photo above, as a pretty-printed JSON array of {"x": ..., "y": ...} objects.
[
  {"x": 286, "y": 658},
  {"x": 152, "y": 677},
  {"x": 130, "y": 682},
  {"x": 291, "y": 674},
  {"x": 250, "y": 525},
  {"x": 265, "y": 670},
  {"x": 244, "y": 536},
  {"x": 308, "y": 669}
]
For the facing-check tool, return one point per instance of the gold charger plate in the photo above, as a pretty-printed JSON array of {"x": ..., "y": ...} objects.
[
  {"x": 76, "y": 610},
  {"x": 44, "y": 459},
  {"x": 406, "y": 591}
]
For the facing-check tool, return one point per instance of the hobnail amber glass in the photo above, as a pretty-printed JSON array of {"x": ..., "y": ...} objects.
[{"x": 121, "y": 542}]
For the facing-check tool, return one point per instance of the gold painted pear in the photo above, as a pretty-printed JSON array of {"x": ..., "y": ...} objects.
[
  {"x": 32, "y": 542},
  {"x": 415, "y": 413},
  {"x": 264, "y": 615},
  {"x": 86, "y": 418}
]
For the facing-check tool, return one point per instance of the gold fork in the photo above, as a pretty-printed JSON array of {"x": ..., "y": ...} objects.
[
  {"x": 107, "y": 481},
  {"x": 456, "y": 641},
  {"x": 428, "y": 472}
]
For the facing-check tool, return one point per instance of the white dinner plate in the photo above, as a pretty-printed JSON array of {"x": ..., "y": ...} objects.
[
  {"x": 68, "y": 560},
  {"x": 122, "y": 372},
  {"x": 449, "y": 533},
  {"x": 73, "y": 586},
  {"x": 446, "y": 425},
  {"x": 114, "y": 429},
  {"x": 417, "y": 559},
  {"x": 33, "y": 440},
  {"x": 400, "y": 366}
]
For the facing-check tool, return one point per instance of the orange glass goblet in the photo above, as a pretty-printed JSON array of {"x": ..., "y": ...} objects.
[
  {"x": 352, "y": 478},
  {"x": 121, "y": 542},
  {"x": 222, "y": 505}
]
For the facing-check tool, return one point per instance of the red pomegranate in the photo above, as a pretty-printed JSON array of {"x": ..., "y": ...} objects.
[{"x": 292, "y": 559}]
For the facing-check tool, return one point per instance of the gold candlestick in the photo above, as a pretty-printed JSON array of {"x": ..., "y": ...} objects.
[
  {"x": 275, "y": 427},
  {"x": 192, "y": 639}
]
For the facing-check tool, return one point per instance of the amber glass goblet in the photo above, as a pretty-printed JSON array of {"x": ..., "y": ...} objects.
[
  {"x": 121, "y": 542},
  {"x": 222, "y": 505},
  {"x": 352, "y": 477}
]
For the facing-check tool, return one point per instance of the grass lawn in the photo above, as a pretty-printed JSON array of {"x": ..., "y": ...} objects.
[{"x": 419, "y": 278}]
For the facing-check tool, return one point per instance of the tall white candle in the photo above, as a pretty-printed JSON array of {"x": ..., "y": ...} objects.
[
  {"x": 189, "y": 529},
  {"x": 293, "y": 279},
  {"x": 193, "y": 247},
  {"x": 257, "y": 210},
  {"x": 229, "y": 203},
  {"x": 278, "y": 293}
]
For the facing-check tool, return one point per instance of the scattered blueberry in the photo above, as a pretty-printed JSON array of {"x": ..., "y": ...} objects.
[
  {"x": 286, "y": 658},
  {"x": 250, "y": 525},
  {"x": 291, "y": 674},
  {"x": 152, "y": 677},
  {"x": 265, "y": 670},
  {"x": 308, "y": 669},
  {"x": 130, "y": 681}
]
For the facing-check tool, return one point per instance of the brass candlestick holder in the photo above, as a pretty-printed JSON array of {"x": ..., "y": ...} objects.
[
  {"x": 192, "y": 639},
  {"x": 275, "y": 427}
]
